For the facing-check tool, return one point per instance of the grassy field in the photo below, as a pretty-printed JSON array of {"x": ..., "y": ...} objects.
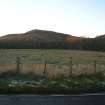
[
  {"x": 37, "y": 69},
  {"x": 58, "y": 61}
]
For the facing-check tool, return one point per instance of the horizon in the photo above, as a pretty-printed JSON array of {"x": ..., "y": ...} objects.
[
  {"x": 73, "y": 17},
  {"x": 49, "y": 31}
]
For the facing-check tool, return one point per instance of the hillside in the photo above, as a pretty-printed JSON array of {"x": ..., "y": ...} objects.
[
  {"x": 36, "y": 39},
  {"x": 51, "y": 40}
]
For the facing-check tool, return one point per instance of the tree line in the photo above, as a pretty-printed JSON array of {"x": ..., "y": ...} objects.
[{"x": 94, "y": 44}]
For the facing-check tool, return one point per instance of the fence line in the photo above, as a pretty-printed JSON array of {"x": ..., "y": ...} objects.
[
  {"x": 18, "y": 65},
  {"x": 95, "y": 66},
  {"x": 71, "y": 63},
  {"x": 47, "y": 67}
]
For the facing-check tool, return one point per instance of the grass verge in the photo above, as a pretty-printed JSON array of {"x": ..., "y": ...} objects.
[{"x": 11, "y": 83}]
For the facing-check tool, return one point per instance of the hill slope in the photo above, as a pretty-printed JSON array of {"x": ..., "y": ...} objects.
[
  {"x": 36, "y": 39},
  {"x": 49, "y": 39}
]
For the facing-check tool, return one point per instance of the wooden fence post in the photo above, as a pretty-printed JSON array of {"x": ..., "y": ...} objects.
[
  {"x": 44, "y": 71},
  {"x": 71, "y": 63},
  {"x": 17, "y": 64},
  {"x": 95, "y": 66}
]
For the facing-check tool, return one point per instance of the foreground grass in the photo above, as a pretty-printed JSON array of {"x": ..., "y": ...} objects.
[
  {"x": 13, "y": 83},
  {"x": 58, "y": 62}
]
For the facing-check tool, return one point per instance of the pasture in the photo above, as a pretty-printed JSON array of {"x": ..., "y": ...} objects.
[
  {"x": 52, "y": 63},
  {"x": 51, "y": 71}
]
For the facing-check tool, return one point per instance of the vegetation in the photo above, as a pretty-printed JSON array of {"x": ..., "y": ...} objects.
[
  {"x": 40, "y": 39},
  {"x": 13, "y": 83},
  {"x": 87, "y": 71},
  {"x": 58, "y": 62}
]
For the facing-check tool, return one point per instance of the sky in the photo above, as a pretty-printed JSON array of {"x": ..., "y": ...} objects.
[{"x": 75, "y": 17}]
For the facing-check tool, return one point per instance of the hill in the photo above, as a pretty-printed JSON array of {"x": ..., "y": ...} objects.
[
  {"x": 36, "y": 39},
  {"x": 51, "y": 40}
]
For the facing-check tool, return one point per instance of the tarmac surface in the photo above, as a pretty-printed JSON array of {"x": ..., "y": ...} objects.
[{"x": 89, "y": 99}]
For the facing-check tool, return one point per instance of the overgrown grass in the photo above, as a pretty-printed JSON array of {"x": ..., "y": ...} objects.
[
  {"x": 17, "y": 83},
  {"x": 84, "y": 77},
  {"x": 57, "y": 60}
]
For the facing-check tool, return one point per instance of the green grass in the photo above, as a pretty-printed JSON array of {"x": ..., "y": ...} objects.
[
  {"x": 57, "y": 79},
  {"x": 57, "y": 60},
  {"x": 83, "y": 61},
  {"x": 17, "y": 83},
  {"x": 52, "y": 56}
]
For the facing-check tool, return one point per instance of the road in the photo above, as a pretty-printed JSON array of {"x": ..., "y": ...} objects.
[{"x": 52, "y": 100}]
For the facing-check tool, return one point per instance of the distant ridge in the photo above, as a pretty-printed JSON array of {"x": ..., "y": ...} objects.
[{"x": 44, "y": 39}]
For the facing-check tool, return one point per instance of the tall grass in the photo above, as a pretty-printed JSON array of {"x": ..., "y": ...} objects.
[
  {"x": 18, "y": 83},
  {"x": 58, "y": 61}
]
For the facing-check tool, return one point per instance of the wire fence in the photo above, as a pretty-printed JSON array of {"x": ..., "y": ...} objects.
[{"x": 56, "y": 68}]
